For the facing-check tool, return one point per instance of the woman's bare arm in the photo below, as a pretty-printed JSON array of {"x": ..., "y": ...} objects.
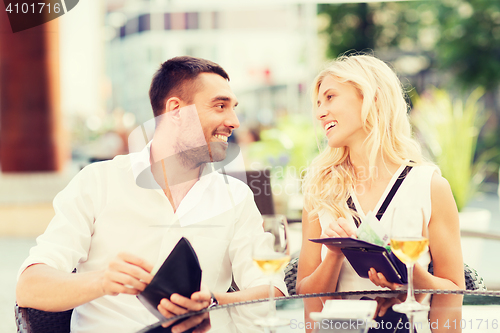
[
  {"x": 312, "y": 270},
  {"x": 444, "y": 241}
]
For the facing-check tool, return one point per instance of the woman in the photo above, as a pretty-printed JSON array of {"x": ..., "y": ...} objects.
[{"x": 360, "y": 105}]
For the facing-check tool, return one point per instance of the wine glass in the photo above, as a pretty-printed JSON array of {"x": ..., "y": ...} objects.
[
  {"x": 409, "y": 241},
  {"x": 271, "y": 255}
]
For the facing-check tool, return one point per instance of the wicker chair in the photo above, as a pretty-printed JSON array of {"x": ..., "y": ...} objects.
[{"x": 36, "y": 321}]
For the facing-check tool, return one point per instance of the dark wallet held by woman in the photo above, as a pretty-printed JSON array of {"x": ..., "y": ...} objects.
[{"x": 363, "y": 255}]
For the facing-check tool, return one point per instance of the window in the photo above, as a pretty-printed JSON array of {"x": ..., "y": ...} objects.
[
  {"x": 192, "y": 21},
  {"x": 122, "y": 31},
  {"x": 178, "y": 21},
  {"x": 132, "y": 26},
  {"x": 167, "y": 21},
  {"x": 144, "y": 22}
]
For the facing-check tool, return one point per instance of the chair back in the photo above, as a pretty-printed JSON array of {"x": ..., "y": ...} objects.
[
  {"x": 30, "y": 320},
  {"x": 259, "y": 182}
]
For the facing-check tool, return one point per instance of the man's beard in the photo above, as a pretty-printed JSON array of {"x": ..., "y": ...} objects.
[
  {"x": 197, "y": 156},
  {"x": 218, "y": 151}
]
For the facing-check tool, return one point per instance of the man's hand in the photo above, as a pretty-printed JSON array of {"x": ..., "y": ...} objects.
[
  {"x": 379, "y": 280},
  {"x": 178, "y": 305},
  {"x": 126, "y": 274}
]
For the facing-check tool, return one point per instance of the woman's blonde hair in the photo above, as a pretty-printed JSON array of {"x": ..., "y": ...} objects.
[{"x": 384, "y": 114}]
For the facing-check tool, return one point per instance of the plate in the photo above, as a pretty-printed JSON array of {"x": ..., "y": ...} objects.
[{"x": 346, "y": 309}]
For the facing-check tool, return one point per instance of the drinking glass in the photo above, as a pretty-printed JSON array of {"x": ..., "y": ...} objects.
[
  {"x": 409, "y": 241},
  {"x": 271, "y": 256}
]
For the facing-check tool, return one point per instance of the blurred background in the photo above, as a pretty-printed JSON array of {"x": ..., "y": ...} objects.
[{"x": 71, "y": 91}]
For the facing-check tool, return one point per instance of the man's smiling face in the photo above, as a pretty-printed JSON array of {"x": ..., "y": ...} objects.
[{"x": 215, "y": 103}]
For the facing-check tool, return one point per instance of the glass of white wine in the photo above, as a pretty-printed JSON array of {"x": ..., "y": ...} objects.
[
  {"x": 271, "y": 256},
  {"x": 409, "y": 241}
]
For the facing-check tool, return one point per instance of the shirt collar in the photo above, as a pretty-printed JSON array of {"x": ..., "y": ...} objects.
[{"x": 141, "y": 169}]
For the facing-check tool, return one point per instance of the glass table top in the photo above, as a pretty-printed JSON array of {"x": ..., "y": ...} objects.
[{"x": 450, "y": 311}]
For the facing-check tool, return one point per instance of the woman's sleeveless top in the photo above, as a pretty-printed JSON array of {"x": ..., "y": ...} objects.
[{"x": 414, "y": 194}]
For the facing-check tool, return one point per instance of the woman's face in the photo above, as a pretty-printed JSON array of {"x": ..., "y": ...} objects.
[{"x": 339, "y": 113}]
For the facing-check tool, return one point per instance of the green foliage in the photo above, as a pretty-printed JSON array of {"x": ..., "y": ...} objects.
[
  {"x": 300, "y": 130},
  {"x": 403, "y": 25},
  {"x": 463, "y": 35},
  {"x": 289, "y": 144},
  {"x": 449, "y": 129},
  {"x": 348, "y": 27},
  {"x": 470, "y": 41}
]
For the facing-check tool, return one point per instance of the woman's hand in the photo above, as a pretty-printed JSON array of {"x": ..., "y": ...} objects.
[
  {"x": 339, "y": 228},
  {"x": 384, "y": 304},
  {"x": 379, "y": 279}
]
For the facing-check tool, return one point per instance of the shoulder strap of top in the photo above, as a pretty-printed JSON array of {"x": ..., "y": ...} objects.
[
  {"x": 393, "y": 191},
  {"x": 351, "y": 205},
  {"x": 387, "y": 200}
]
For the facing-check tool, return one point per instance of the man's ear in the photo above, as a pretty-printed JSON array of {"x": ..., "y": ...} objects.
[{"x": 173, "y": 103}]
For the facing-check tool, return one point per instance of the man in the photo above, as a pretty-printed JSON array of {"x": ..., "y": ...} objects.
[{"x": 118, "y": 220}]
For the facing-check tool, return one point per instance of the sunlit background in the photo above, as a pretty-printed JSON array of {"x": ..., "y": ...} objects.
[{"x": 75, "y": 99}]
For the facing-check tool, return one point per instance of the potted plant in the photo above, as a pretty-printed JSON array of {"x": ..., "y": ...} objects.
[{"x": 448, "y": 128}]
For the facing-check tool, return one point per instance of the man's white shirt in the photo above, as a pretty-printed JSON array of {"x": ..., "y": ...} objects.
[{"x": 103, "y": 211}]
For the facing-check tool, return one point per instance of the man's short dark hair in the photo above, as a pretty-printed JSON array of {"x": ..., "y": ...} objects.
[{"x": 177, "y": 77}]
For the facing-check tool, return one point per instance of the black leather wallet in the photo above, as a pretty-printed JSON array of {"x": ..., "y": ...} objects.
[
  {"x": 179, "y": 274},
  {"x": 363, "y": 255}
]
